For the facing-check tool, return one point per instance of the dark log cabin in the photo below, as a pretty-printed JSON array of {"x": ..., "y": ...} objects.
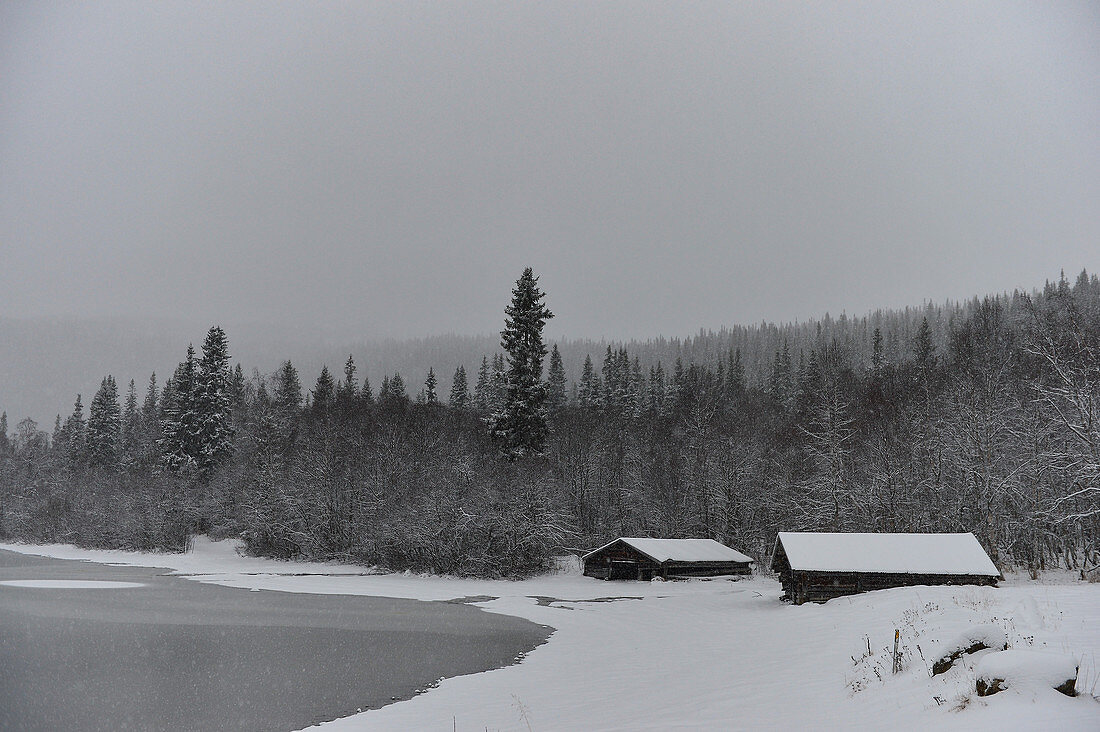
[
  {"x": 817, "y": 567},
  {"x": 644, "y": 559}
]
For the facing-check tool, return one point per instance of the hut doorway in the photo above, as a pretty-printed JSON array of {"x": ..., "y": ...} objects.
[{"x": 623, "y": 570}]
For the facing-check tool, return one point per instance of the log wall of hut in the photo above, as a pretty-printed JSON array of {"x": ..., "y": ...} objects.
[
  {"x": 621, "y": 561},
  {"x": 704, "y": 569},
  {"x": 815, "y": 586}
]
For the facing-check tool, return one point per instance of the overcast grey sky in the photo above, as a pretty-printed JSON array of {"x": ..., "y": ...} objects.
[{"x": 390, "y": 168}]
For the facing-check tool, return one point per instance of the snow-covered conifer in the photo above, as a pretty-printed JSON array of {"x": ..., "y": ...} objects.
[
  {"x": 460, "y": 389},
  {"x": 324, "y": 392},
  {"x": 213, "y": 401},
  {"x": 180, "y": 423},
  {"x": 555, "y": 381},
  {"x": 104, "y": 425},
  {"x": 520, "y": 423},
  {"x": 589, "y": 390},
  {"x": 481, "y": 388},
  {"x": 430, "y": 397}
]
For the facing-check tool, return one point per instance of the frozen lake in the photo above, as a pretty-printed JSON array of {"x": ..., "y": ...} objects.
[{"x": 86, "y": 646}]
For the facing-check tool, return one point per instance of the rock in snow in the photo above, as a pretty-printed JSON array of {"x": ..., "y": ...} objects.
[
  {"x": 1019, "y": 668},
  {"x": 974, "y": 639}
]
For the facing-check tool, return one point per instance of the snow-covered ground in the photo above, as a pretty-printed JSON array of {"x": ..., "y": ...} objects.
[{"x": 709, "y": 654}]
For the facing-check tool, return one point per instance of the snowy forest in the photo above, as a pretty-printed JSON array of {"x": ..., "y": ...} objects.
[{"x": 980, "y": 416}]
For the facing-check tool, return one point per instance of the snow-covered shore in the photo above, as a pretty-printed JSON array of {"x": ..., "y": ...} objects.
[{"x": 701, "y": 654}]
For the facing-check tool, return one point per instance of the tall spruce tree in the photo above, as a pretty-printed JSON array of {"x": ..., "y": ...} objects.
[
  {"x": 555, "y": 381},
  {"x": 180, "y": 423},
  {"x": 104, "y": 425},
  {"x": 288, "y": 392},
  {"x": 878, "y": 360},
  {"x": 481, "y": 388},
  {"x": 460, "y": 389},
  {"x": 638, "y": 397},
  {"x": 924, "y": 351},
  {"x": 349, "y": 388},
  {"x": 589, "y": 394},
  {"x": 131, "y": 424},
  {"x": 324, "y": 392},
  {"x": 73, "y": 434},
  {"x": 238, "y": 396},
  {"x": 149, "y": 406},
  {"x": 520, "y": 425},
  {"x": 430, "y": 396},
  {"x": 148, "y": 428},
  {"x": 392, "y": 393},
  {"x": 287, "y": 404},
  {"x": 213, "y": 401},
  {"x": 397, "y": 388}
]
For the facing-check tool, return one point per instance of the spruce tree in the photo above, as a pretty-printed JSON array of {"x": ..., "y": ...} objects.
[
  {"x": 148, "y": 428},
  {"x": 555, "y": 381},
  {"x": 149, "y": 406},
  {"x": 393, "y": 394},
  {"x": 131, "y": 424},
  {"x": 324, "y": 392},
  {"x": 349, "y": 389},
  {"x": 654, "y": 394},
  {"x": 481, "y": 388},
  {"x": 73, "y": 433},
  {"x": 288, "y": 393},
  {"x": 104, "y": 425},
  {"x": 616, "y": 379},
  {"x": 676, "y": 391},
  {"x": 779, "y": 383},
  {"x": 589, "y": 393},
  {"x": 924, "y": 349},
  {"x": 430, "y": 397},
  {"x": 460, "y": 389},
  {"x": 237, "y": 387},
  {"x": 520, "y": 425},
  {"x": 637, "y": 391},
  {"x": 5, "y": 441},
  {"x": 213, "y": 402},
  {"x": 397, "y": 389},
  {"x": 180, "y": 421}
]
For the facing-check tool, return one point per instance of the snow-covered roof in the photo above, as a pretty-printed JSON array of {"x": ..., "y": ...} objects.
[
  {"x": 887, "y": 553},
  {"x": 680, "y": 550}
]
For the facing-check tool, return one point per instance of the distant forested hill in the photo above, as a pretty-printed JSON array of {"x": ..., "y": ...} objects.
[{"x": 44, "y": 363}]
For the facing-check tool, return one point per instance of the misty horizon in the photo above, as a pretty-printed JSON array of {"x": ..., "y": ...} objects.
[{"x": 56, "y": 358}]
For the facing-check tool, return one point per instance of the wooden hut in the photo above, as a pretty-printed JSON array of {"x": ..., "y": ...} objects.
[
  {"x": 816, "y": 567},
  {"x": 644, "y": 559}
]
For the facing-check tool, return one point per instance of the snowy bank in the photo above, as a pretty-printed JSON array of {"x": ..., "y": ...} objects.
[{"x": 705, "y": 654}]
